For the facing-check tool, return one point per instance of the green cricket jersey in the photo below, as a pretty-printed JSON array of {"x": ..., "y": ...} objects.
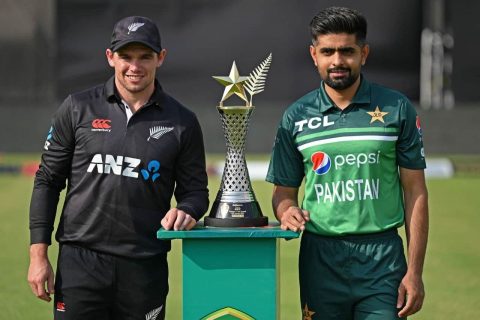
[{"x": 349, "y": 158}]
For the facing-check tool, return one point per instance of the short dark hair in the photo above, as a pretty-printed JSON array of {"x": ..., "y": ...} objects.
[{"x": 339, "y": 20}]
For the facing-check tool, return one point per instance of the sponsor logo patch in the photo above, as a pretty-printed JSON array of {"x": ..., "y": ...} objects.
[
  {"x": 350, "y": 189},
  {"x": 152, "y": 170},
  {"x": 60, "y": 306},
  {"x": 123, "y": 166},
  {"x": 321, "y": 162},
  {"x": 101, "y": 125},
  {"x": 313, "y": 123},
  {"x": 47, "y": 141},
  {"x": 419, "y": 127}
]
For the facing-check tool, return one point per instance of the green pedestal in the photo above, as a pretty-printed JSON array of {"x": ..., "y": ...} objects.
[{"x": 230, "y": 273}]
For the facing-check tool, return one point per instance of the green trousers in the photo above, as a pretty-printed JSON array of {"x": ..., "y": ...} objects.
[{"x": 351, "y": 277}]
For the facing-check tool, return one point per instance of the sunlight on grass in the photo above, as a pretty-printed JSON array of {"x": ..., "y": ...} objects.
[{"x": 451, "y": 268}]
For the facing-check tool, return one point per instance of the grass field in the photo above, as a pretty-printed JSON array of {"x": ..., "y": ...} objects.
[{"x": 452, "y": 270}]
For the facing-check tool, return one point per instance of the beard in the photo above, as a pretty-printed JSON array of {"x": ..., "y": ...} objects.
[{"x": 341, "y": 83}]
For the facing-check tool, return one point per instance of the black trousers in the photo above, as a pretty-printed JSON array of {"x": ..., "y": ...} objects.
[{"x": 98, "y": 286}]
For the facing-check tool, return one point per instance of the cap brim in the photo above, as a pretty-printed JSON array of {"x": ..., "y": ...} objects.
[{"x": 123, "y": 43}]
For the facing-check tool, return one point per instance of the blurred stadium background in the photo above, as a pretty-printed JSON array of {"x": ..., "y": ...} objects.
[
  {"x": 427, "y": 49},
  {"x": 53, "y": 47}
]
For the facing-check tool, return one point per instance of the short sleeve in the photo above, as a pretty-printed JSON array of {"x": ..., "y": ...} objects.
[
  {"x": 286, "y": 165},
  {"x": 410, "y": 152}
]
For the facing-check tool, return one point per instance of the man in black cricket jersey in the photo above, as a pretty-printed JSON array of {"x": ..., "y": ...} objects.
[{"x": 122, "y": 149}]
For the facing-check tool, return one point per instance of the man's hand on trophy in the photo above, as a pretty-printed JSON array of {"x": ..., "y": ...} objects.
[
  {"x": 178, "y": 220},
  {"x": 294, "y": 219}
]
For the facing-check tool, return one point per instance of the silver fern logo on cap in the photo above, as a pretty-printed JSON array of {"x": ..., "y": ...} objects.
[
  {"x": 158, "y": 131},
  {"x": 134, "y": 26}
]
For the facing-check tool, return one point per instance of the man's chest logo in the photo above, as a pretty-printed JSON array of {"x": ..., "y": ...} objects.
[
  {"x": 123, "y": 166},
  {"x": 377, "y": 115},
  {"x": 313, "y": 123},
  {"x": 158, "y": 131},
  {"x": 103, "y": 125}
]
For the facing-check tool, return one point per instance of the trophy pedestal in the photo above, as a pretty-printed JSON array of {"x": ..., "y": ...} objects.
[{"x": 230, "y": 273}]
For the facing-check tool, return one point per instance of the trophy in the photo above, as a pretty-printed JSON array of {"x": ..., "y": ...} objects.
[{"x": 235, "y": 204}]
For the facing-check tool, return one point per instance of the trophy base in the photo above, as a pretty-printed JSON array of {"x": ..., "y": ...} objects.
[
  {"x": 235, "y": 222},
  {"x": 235, "y": 214}
]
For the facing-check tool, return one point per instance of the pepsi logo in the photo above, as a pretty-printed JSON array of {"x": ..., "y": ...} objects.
[
  {"x": 419, "y": 127},
  {"x": 321, "y": 162}
]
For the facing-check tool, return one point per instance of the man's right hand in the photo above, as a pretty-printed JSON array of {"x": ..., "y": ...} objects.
[
  {"x": 40, "y": 272},
  {"x": 294, "y": 219},
  {"x": 285, "y": 206}
]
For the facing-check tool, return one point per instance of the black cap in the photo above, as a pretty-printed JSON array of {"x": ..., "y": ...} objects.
[{"x": 136, "y": 29}]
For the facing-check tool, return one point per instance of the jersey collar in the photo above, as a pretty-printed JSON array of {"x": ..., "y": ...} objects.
[{"x": 361, "y": 97}]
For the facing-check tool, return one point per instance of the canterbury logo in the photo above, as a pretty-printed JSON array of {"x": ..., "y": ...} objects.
[
  {"x": 61, "y": 306},
  {"x": 152, "y": 315},
  {"x": 101, "y": 124},
  {"x": 157, "y": 132},
  {"x": 134, "y": 26}
]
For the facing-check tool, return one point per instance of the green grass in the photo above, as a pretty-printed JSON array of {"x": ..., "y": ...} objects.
[{"x": 451, "y": 276}]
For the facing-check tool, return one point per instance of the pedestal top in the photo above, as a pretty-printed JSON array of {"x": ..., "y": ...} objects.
[{"x": 273, "y": 230}]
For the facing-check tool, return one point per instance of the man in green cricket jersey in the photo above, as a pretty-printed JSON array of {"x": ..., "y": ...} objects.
[{"x": 359, "y": 147}]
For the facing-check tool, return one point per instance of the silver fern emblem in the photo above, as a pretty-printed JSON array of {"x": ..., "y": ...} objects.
[
  {"x": 256, "y": 81},
  {"x": 158, "y": 131},
  {"x": 134, "y": 26},
  {"x": 152, "y": 315}
]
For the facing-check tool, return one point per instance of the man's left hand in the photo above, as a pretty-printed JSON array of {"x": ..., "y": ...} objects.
[
  {"x": 178, "y": 220},
  {"x": 410, "y": 289}
]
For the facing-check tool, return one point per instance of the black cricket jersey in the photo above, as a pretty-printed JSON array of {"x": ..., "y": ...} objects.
[{"x": 120, "y": 175}]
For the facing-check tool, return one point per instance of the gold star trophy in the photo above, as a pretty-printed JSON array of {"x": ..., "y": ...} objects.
[{"x": 235, "y": 204}]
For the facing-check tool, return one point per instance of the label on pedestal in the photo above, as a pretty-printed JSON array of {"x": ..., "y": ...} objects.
[{"x": 236, "y": 214}]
